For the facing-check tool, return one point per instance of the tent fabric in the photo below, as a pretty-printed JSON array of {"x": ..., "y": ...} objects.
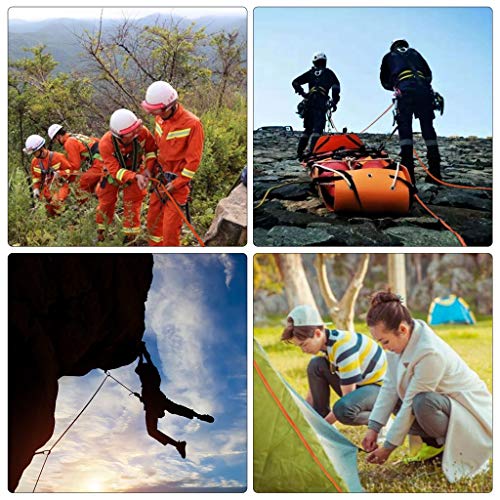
[
  {"x": 450, "y": 309},
  {"x": 295, "y": 450}
]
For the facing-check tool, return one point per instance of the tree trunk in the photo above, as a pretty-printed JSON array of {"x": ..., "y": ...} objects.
[
  {"x": 397, "y": 273},
  {"x": 341, "y": 312},
  {"x": 297, "y": 289}
]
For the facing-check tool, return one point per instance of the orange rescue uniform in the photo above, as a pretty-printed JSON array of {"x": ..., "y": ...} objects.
[
  {"x": 54, "y": 191},
  {"x": 81, "y": 149},
  {"x": 107, "y": 190},
  {"x": 180, "y": 147}
]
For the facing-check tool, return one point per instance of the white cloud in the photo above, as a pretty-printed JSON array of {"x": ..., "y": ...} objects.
[{"x": 228, "y": 264}]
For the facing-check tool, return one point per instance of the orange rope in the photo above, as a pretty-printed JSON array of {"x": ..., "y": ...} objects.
[
  {"x": 294, "y": 426},
  {"x": 176, "y": 205},
  {"x": 449, "y": 184},
  {"x": 459, "y": 238},
  {"x": 377, "y": 119}
]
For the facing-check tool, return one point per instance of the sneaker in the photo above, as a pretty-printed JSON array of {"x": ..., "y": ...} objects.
[
  {"x": 206, "y": 418},
  {"x": 181, "y": 448},
  {"x": 426, "y": 452}
]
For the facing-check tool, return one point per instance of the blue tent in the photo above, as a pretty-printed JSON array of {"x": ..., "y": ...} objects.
[{"x": 450, "y": 309}]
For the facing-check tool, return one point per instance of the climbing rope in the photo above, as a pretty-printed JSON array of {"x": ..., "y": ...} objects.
[
  {"x": 179, "y": 210},
  {"x": 123, "y": 385},
  {"x": 276, "y": 187},
  {"x": 49, "y": 451},
  {"x": 459, "y": 238},
  {"x": 449, "y": 184},
  {"x": 377, "y": 119}
]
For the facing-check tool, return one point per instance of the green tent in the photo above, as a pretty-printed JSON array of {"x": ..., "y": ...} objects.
[{"x": 294, "y": 449}]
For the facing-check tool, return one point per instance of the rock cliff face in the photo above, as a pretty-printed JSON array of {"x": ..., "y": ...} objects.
[
  {"x": 295, "y": 216},
  {"x": 68, "y": 314}
]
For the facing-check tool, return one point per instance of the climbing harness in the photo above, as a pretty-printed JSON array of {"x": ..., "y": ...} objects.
[{"x": 159, "y": 186}]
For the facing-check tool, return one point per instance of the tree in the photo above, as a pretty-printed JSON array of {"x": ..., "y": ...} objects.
[
  {"x": 228, "y": 67},
  {"x": 341, "y": 311},
  {"x": 297, "y": 289}
]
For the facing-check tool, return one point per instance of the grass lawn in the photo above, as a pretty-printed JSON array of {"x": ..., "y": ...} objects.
[{"x": 472, "y": 342}]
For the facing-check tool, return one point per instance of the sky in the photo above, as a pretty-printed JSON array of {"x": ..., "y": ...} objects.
[
  {"x": 456, "y": 42},
  {"x": 43, "y": 13},
  {"x": 196, "y": 335}
]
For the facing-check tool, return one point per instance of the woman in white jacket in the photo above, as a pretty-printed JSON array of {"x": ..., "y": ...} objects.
[{"x": 432, "y": 392}]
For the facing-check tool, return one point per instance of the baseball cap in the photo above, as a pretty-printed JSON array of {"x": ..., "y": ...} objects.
[{"x": 305, "y": 315}]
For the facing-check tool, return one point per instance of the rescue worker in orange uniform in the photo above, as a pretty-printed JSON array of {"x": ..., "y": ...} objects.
[
  {"x": 83, "y": 154},
  {"x": 179, "y": 138},
  {"x": 128, "y": 150},
  {"x": 50, "y": 171}
]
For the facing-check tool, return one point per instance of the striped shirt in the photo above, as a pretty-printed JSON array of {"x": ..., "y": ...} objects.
[{"x": 356, "y": 358}]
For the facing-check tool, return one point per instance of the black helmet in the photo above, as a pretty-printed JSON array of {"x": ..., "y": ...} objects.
[{"x": 400, "y": 43}]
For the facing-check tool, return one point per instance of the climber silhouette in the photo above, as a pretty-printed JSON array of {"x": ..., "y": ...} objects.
[{"x": 155, "y": 402}]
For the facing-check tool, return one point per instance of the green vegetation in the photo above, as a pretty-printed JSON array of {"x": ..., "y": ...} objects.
[
  {"x": 114, "y": 71},
  {"x": 472, "y": 342}
]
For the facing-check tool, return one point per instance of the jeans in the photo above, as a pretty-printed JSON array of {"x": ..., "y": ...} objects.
[{"x": 353, "y": 408}]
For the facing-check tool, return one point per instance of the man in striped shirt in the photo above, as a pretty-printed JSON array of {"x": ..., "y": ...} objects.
[{"x": 352, "y": 364}]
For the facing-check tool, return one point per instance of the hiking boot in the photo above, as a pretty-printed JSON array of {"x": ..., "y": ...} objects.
[
  {"x": 206, "y": 418},
  {"x": 181, "y": 448},
  {"x": 426, "y": 452}
]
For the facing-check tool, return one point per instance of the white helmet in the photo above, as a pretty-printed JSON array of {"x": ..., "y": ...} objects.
[
  {"x": 319, "y": 56},
  {"x": 123, "y": 122},
  {"x": 33, "y": 143},
  {"x": 53, "y": 130},
  {"x": 160, "y": 95},
  {"x": 400, "y": 44}
]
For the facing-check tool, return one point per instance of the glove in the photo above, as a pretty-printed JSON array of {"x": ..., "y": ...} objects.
[
  {"x": 36, "y": 193},
  {"x": 331, "y": 105}
]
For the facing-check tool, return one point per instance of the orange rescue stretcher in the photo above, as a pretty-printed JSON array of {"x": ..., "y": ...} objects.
[{"x": 350, "y": 178}]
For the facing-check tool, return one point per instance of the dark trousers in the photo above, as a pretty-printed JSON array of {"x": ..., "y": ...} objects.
[
  {"x": 152, "y": 428},
  {"x": 353, "y": 408},
  {"x": 419, "y": 102},
  {"x": 314, "y": 124},
  {"x": 432, "y": 415}
]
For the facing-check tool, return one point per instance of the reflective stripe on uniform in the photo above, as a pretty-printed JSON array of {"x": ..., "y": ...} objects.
[
  {"x": 156, "y": 239},
  {"x": 56, "y": 166},
  {"x": 158, "y": 129},
  {"x": 132, "y": 230},
  {"x": 150, "y": 155},
  {"x": 406, "y": 142},
  {"x": 101, "y": 226},
  {"x": 178, "y": 133},
  {"x": 187, "y": 173},
  {"x": 37, "y": 170},
  {"x": 120, "y": 174}
]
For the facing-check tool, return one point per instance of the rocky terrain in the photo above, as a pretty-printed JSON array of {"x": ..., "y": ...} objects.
[
  {"x": 68, "y": 314},
  {"x": 294, "y": 215}
]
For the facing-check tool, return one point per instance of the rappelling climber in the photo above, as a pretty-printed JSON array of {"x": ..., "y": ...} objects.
[
  {"x": 316, "y": 103},
  {"x": 49, "y": 171},
  {"x": 407, "y": 73},
  {"x": 128, "y": 151},
  {"x": 179, "y": 137},
  {"x": 82, "y": 153},
  {"x": 156, "y": 403}
]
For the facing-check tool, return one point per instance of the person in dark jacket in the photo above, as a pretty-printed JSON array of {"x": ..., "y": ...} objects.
[
  {"x": 320, "y": 81},
  {"x": 155, "y": 402},
  {"x": 407, "y": 73}
]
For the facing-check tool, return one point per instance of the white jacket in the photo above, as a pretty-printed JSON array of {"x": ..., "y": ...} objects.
[{"x": 428, "y": 364}]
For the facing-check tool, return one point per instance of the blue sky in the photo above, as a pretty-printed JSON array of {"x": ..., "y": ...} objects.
[
  {"x": 456, "y": 42},
  {"x": 196, "y": 333}
]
